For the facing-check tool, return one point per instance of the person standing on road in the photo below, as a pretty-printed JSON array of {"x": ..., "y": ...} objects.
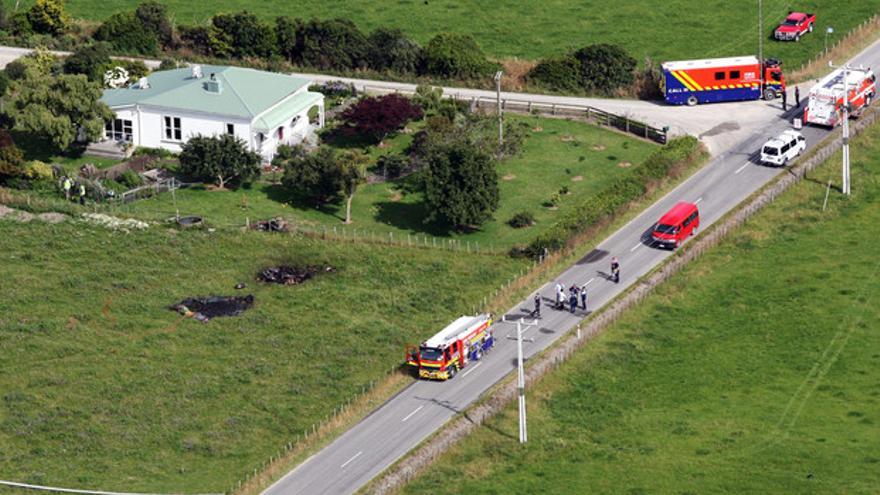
[
  {"x": 615, "y": 269},
  {"x": 584, "y": 296},
  {"x": 537, "y": 312},
  {"x": 784, "y": 100},
  {"x": 573, "y": 299},
  {"x": 560, "y": 296},
  {"x": 797, "y": 97}
]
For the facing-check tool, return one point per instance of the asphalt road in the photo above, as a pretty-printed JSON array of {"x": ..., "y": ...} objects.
[{"x": 400, "y": 424}]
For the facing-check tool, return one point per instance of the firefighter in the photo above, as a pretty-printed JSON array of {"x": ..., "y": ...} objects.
[
  {"x": 797, "y": 97},
  {"x": 573, "y": 299},
  {"x": 537, "y": 312},
  {"x": 615, "y": 269},
  {"x": 784, "y": 100}
]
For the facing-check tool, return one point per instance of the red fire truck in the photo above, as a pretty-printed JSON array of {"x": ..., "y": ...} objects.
[
  {"x": 825, "y": 105},
  {"x": 461, "y": 342},
  {"x": 721, "y": 79}
]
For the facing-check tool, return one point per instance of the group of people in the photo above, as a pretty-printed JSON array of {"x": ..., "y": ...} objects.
[
  {"x": 70, "y": 188},
  {"x": 575, "y": 293},
  {"x": 797, "y": 98}
]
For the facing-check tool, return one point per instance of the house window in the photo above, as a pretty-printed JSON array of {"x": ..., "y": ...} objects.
[
  {"x": 230, "y": 129},
  {"x": 171, "y": 129},
  {"x": 119, "y": 130}
]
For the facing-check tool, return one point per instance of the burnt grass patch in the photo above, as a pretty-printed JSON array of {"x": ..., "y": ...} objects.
[{"x": 292, "y": 275}]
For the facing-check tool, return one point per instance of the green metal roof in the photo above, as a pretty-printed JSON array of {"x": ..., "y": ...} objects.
[
  {"x": 278, "y": 115},
  {"x": 245, "y": 93}
]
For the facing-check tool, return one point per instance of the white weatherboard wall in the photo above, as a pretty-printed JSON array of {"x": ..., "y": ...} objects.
[{"x": 148, "y": 126}]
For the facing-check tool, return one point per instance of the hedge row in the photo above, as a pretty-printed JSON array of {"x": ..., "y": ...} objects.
[{"x": 666, "y": 161}]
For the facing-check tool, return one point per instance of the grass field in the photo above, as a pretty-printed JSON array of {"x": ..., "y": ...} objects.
[
  {"x": 753, "y": 371},
  {"x": 104, "y": 387},
  {"x": 562, "y": 153},
  {"x": 679, "y": 29}
]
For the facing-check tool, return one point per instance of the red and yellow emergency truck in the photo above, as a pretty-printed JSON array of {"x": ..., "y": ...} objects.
[
  {"x": 825, "y": 103},
  {"x": 461, "y": 342},
  {"x": 689, "y": 82}
]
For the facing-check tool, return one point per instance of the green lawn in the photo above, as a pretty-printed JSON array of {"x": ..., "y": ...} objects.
[
  {"x": 557, "y": 153},
  {"x": 753, "y": 371},
  {"x": 678, "y": 29},
  {"x": 104, "y": 387}
]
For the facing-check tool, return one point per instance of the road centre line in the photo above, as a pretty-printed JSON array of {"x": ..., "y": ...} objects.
[
  {"x": 353, "y": 458},
  {"x": 741, "y": 168},
  {"x": 411, "y": 414},
  {"x": 462, "y": 375},
  {"x": 698, "y": 200},
  {"x": 589, "y": 281},
  {"x": 635, "y": 247}
]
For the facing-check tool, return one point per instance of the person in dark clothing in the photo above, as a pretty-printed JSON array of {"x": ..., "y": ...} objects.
[
  {"x": 797, "y": 97},
  {"x": 615, "y": 269},
  {"x": 573, "y": 300},
  {"x": 784, "y": 100},
  {"x": 537, "y": 312}
]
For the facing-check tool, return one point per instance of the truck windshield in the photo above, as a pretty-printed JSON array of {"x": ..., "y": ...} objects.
[
  {"x": 771, "y": 151},
  {"x": 790, "y": 22},
  {"x": 430, "y": 354},
  {"x": 665, "y": 229}
]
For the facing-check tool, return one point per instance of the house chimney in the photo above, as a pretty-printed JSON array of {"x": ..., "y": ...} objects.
[
  {"x": 143, "y": 83},
  {"x": 197, "y": 71},
  {"x": 213, "y": 76}
]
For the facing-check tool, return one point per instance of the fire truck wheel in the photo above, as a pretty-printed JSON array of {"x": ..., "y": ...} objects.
[
  {"x": 691, "y": 101},
  {"x": 452, "y": 372},
  {"x": 868, "y": 100},
  {"x": 769, "y": 94}
]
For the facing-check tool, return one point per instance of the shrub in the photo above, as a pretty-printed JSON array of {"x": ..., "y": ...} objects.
[
  {"x": 391, "y": 50},
  {"x": 38, "y": 171},
  {"x": 130, "y": 179},
  {"x": 335, "y": 89},
  {"x": 154, "y": 17},
  {"x": 11, "y": 158},
  {"x": 90, "y": 60},
  {"x": 19, "y": 25},
  {"x": 286, "y": 37},
  {"x": 455, "y": 56},
  {"x": 393, "y": 165},
  {"x": 4, "y": 82},
  {"x": 657, "y": 166},
  {"x": 558, "y": 74},
  {"x": 136, "y": 69},
  {"x": 333, "y": 44},
  {"x": 315, "y": 176},
  {"x": 521, "y": 220},
  {"x": 244, "y": 34},
  {"x": 196, "y": 38},
  {"x": 48, "y": 17},
  {"x": 378, "y": 117},
  {"x": 126, "y": 33},
  {"x": 605, "y": 68}
]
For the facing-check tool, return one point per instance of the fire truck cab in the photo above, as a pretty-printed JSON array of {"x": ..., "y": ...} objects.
[
  {"x": 463, "y": 341},
  {"x": 825, "y": 104}
]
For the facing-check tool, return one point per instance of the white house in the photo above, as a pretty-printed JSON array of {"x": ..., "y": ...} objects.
[{"x": 167, "y": 108}]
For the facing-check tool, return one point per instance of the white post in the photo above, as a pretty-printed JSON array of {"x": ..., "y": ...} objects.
[
  {"x": 521, "y": 379},
  {"x": 498, "y": 101},
  {"x": 846, "y": 184}
]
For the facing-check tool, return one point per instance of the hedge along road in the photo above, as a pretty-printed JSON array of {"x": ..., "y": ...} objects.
[{"x": 424, "y": 407}]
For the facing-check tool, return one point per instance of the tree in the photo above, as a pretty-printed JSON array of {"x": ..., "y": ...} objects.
[
  {"x": 315, "y": 176},
  {"x": 154, "y": 17},
  {"x": 245, "y": 34},
  {"x": 605, "y": 67},
  {"x": 376, "y": 118},
  {"x": 91, "y": 61},
  {"x": 48, "y": 17},
  {"x": 286, "y": 37},
  {"x": 59, "y": 108},
  {"x": 11, "y": 158},
  {"x": 391, "y": 50},
  {"x": 333, "y": 44},
  {"x": 460, "y": 184},
  {"x": 222, "y": 160},
  {"x": 125, "y": 32},
  {"x": 353, "y": 173},
  {"x": 455, "y": 56}
]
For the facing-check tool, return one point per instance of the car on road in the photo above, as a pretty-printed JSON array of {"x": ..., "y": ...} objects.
[
  {"x": 779, "y": 150},
  {"x": 794, "y": 26},
  {"x": 676, "y": 225}
]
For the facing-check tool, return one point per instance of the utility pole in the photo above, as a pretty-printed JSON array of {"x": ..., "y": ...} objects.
[
  {"x": 761, "y": 32},
  {"x": 845, "y": 188},
  {"x": 498, "y": 101},
  {"x": 521, "y": 379}
]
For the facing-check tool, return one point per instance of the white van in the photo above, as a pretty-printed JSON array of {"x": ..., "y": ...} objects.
[{"x": 781, "y": 149}]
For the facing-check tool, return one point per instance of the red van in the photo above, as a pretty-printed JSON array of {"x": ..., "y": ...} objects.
[{"x": 676, "y": 225}]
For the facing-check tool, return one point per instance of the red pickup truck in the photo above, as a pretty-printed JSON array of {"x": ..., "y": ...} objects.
[{"x": 794, "y": 26}]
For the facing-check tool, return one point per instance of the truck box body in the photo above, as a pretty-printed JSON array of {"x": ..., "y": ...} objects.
[
  {"x": 825, "y": 101},
  {"x": 689, "y": 82}
]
